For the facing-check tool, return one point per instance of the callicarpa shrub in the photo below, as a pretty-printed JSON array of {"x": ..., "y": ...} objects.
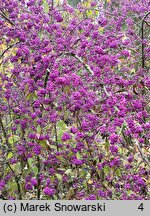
[{"x": 74, "y": 100}]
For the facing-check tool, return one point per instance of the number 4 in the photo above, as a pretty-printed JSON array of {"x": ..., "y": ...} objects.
[{"x": 141, "y": 207}]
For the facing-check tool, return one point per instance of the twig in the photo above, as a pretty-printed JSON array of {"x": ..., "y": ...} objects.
[
  {"x": 8, "y": 49},
  {"x": 52, "y": 6},
  {"x": 140, "y": 150},
  {"x": 8, "y": 20},
  {"x": 17, "y": 182},
  {"x": 38, "y": 178},
  {"x": 4, "y": 132},
  {"x": 80, "y": 60},
  {"x": 138, "y": 166},
  {"x": 147, "y": 23},
  {"x": 46, "y": 77},
  {"x": 141, "y": 153},
  {"x": 56, "y": 137},
  {"x": 143, "y": 54}
]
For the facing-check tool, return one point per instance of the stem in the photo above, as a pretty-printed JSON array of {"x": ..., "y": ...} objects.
[
  {"x": 75, "y": 27},
  {"x": 8, "y": 49},
  {"x": 6, "y": 18},
  {"x": 143, "y": 55},
  {"x": 38, "y": 175},
  {"x": 3, "y": 129},
  {"x": 141, "y": 153},
  {"x": 17, "y": 182},
  {"x": 46, "y": 78},
  {"x": 80, "y": 60},
  {"x": 2, "y": 159},
  {"x": 52, "y": 5},
  {"x": 5, "y": 134},
  {"x": 138, "y": 166},
  {"x": 90, "y": 151},
  {"x": 56, "y": 137}
]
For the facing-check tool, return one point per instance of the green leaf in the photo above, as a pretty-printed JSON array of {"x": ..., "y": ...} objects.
[
  {"x": 85, "y": 185},
  {"x": 61, "y": 125},
  {"x": 46, "y": 6},
  {"x": 54, "y": 147},
  {"x": 73, "y": 2},
  {"x": 13, "y": 138},
  {"x": 59, "y": 176},
  {"x": 43, "y": 143},
  {"x": 79, "y": 72},
  {"x": 17, "y": 168},
  {"x": 118, "y": 172},
  {"x": 10, "y": 155},
  {"x": 55, "y": 197},
  {"x": 78, "y": 155},
  {"x": 106, "y": 170},
  {"x": 105, "y": 183},
  {"x": 129, "y": 192},
  {"x": 88, "y": 176},
  {"x": 11, "y": 186},
  {"x": 31, "y": 95},
  {"x": 68, "y": 171},
  {"x": 35, "y": 170},
  {"x": 39, "y": 129},
  {"x": 32, "y": 165},
  {"x": 31, "y": 162},
  {"x": 61, "y": 128}
]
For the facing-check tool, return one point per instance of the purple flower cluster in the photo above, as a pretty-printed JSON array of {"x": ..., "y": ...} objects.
[{"x": 74, "y": 100}]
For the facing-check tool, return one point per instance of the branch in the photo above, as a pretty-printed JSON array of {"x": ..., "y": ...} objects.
[
  {"x": 75, "y": 27},
  {"x": 56, "y": 137},
  {"x": 52, "y": 6},
  {"x": 46, "y": 77},
  {"x": 38, "y": 178},
  {"x": 17, "y": 182},
  {"x": 8, "y": 49},
  {"x": 6, "y": 18},
  {"x": 81, "y": 61},
  {"x": 141, "y": 153},
  {"x": 147, "y": 23},
  {"x": 143, "y": 55},
  {"x": 146, "y": 15},
  {"x": 4, "y": 133}
]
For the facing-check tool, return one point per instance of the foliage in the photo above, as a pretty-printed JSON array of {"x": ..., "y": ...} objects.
[{"x": 74, "y": 100}]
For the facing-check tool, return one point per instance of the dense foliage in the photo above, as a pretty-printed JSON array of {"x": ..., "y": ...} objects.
[{"x": 74, "y": 100}]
